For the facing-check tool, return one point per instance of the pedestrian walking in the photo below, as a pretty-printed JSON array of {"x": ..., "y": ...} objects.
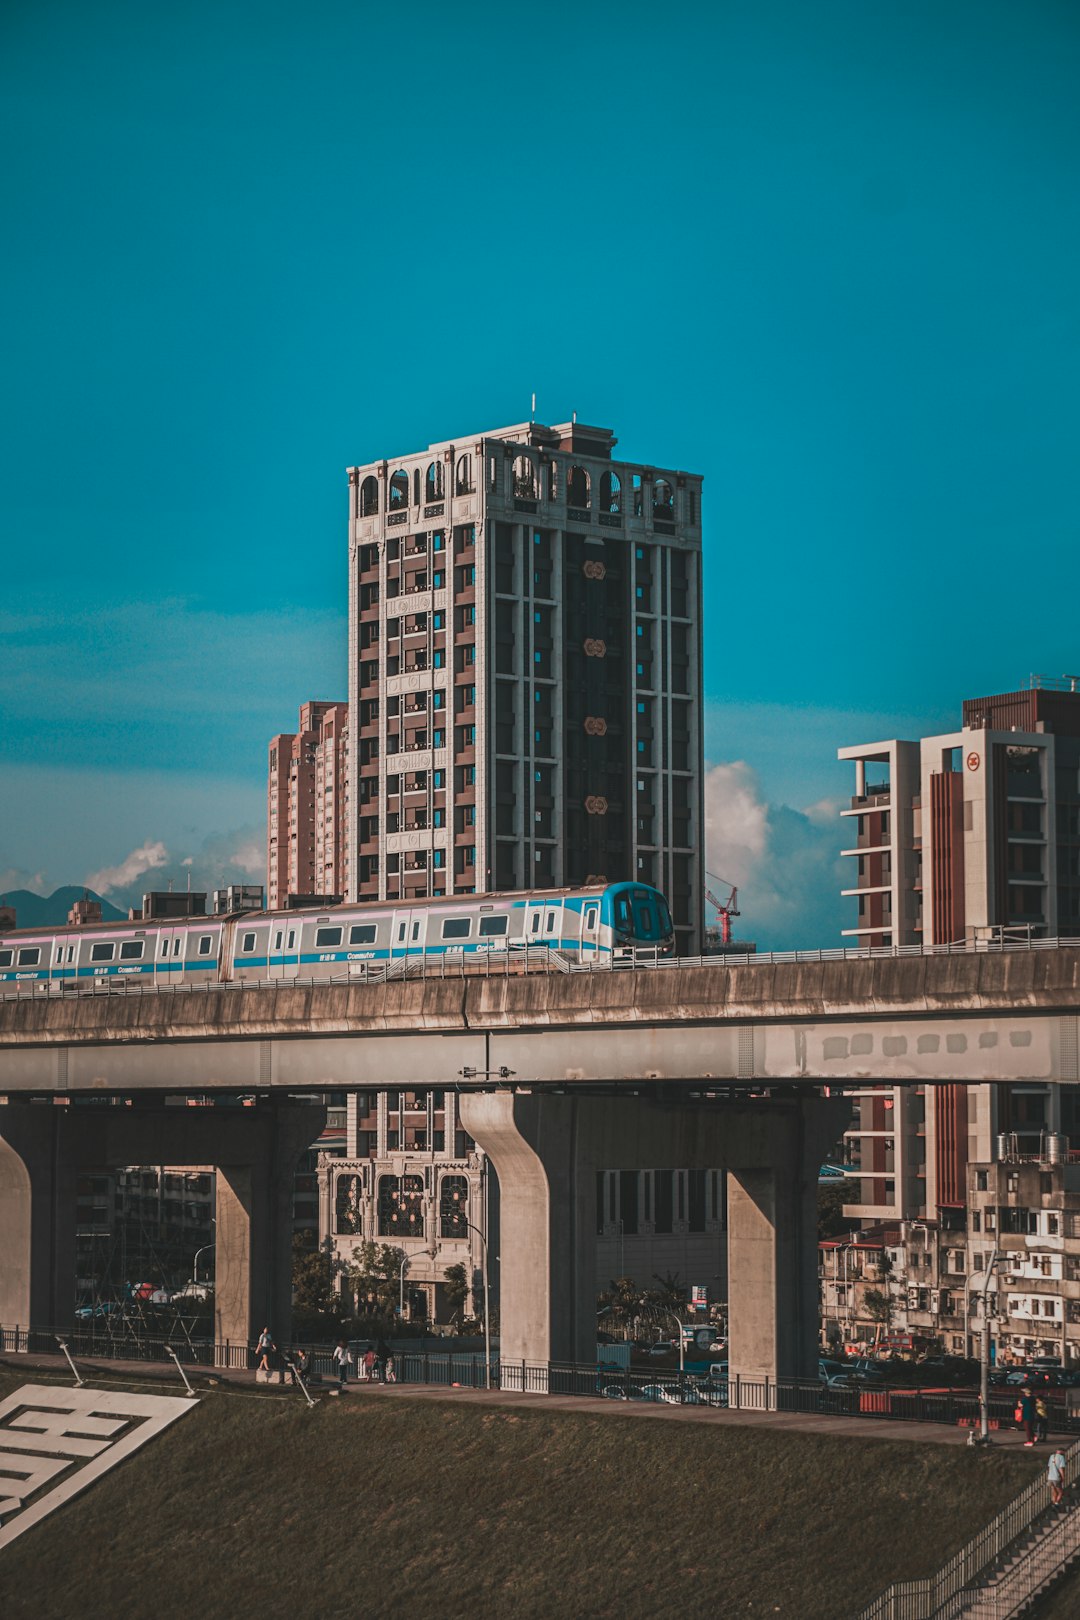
[
  {"x": 1026, "y": 1410},
  {"x": 1042, "y": 1419},
  {"x": 1055, "y": 1473},
  {"x": 341, "y": 1358},
  {"x": 391, "y": 1372},
  {"x": 264, "y": 1350},
  {"x": 369, "y": 1364},
  {"x": 381, "y": 1353},
  {"x": 297, "y": 1366}
]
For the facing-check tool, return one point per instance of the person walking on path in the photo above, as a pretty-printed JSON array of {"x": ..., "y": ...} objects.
[
  {"x": 264, "y": 1349},
  {"x": 341, "y": 1359},
  {"x": 1042, "y": 1419},
  {"x": 369, "y": 1365},
  {"x": 1027, "y": 1415},
  {"x": 391, "y": 1374},
  {"x": 1055, "y": 1474},
  {"x": 381, "y": 1353}
]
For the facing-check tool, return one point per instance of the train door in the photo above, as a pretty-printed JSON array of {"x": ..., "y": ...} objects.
[
  {"x": 400, "y": 934},
  {"x": 590, "y": 930},
  {"x": 169, "y": 955},
  {"x": 552, "y": 935},
  {"x": 288, "y": 954},
  {"x": 534, "y": 922}
]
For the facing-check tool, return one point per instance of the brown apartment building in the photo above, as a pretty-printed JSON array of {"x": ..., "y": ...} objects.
[
  {"x": 525, "y": 670},
  {"x": 307, "y": 799}
]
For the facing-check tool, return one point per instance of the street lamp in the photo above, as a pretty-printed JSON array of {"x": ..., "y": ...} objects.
[
  {"x": 195, "y": 1263},
  {"x": 487, "y": 1308},
  {"x": 984, "y": 1369},
  {"x": 678, "y": 1323}
]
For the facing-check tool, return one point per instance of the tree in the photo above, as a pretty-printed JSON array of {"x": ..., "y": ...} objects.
[
  {"x": 831, "y": 1220},
  {"x": 877, "y": 1305},
  {"x": 317, "y": 1304},
  {"x": 459, "y": 1288},
  {"x": 671, "y": 1293},
  {"x": 374, "y": 1274}
]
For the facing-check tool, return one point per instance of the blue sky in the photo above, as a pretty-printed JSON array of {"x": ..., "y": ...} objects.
[{"x": 826, "y": 255}]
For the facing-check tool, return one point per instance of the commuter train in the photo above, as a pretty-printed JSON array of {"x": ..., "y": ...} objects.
[{"x": 592, "y": 924}]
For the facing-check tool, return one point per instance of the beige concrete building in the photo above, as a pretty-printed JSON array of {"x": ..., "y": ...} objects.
[
  {"x": 307, "y": 805},
  {"x": 525, "y": 670}
]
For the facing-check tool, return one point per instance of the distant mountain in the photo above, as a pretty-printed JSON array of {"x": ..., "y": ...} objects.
[{"x": 39, "y": 911}]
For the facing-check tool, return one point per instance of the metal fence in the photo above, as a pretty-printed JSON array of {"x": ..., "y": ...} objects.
[
  {"x": 944, "y": 1596},
  {"x": 527, "y": 959}
]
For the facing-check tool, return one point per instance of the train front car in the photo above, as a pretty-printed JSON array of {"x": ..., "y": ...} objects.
[{"x": 635, "y": 917}]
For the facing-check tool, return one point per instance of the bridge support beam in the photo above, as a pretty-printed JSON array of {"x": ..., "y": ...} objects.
[
  {"x": 547, "y": 1149},
  {"x": 43, "y": 1150}
]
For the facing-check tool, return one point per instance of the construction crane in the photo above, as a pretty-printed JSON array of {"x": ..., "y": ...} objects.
[{"x": 725, "y": 909}]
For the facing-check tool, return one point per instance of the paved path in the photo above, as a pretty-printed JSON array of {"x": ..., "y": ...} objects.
[{"x": 860, "y": 1428}]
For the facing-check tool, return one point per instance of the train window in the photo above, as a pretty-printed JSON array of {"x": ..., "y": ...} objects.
[
  {"x": 164, "y": 947},
  {"x": 665, "y": 917},
  {"x": 534, "y": 926},
  {"x": 325, "y": 937},
  {"x": 292, "y": 939},
  {"x": 131, "y": 950},
  {"x": 248, "y": 943},
  {"x": 278, "y": 937},
  {"x": 401, "y": 933},
  {"x": 30, "y": 956},
  {"x": 59, "y": 953},
  {"x": 551, "y": 920},
  {"x": 362, "y": 934},
  {"x": 6, "y": 958},
  {"x": 622, "y": 911},
  {"x": 456, "y": 927},
  {"x": 176, "y": 944},
  {"x": 98, "y": 953},
  {"x": 71, "y": 953},
  {"x": 205, "y": 942},
  {"x": 646, "y": 920},
  {"x": 493, "y": 925},
  {"x": 415, "y": 931},
  {"x": 590, "y": 918}
]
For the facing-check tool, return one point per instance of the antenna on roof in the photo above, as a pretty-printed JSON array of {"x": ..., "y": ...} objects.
[
  {"x": 574, "y": 417},
  {"x": 532, "y": 418}
]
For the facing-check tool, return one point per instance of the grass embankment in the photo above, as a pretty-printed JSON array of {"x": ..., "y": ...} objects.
[{"x": 376, "y": 1505}]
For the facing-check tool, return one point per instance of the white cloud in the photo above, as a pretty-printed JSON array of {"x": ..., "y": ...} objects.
[
  {"x": 14, "y": 877},
  {"x": 785, "y": 863},
  {"x": 145, "y": 859}
]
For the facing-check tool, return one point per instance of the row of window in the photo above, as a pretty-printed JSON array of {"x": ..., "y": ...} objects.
[
  {"x": 526, "y": 485},
  {"x": 131, "y": 950}
]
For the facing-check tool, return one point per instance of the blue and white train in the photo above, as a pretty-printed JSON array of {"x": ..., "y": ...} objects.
[{"x": 593, "y": 924}]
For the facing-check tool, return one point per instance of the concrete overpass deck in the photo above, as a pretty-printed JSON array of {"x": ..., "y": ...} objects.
[{"x": 1011, "y": 1015}]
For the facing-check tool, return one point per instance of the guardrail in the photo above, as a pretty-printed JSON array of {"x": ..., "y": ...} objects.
[
  {"x": 529, "y": 959},
  {"x": 942, "y": 1596}
]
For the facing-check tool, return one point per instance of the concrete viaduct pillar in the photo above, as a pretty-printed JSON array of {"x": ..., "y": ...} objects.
[
  {"x": 547, "y": 1149},
  {"x": 43, "y": 1150}
]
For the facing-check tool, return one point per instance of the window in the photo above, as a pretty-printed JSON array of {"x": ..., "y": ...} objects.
[
  {"x": 325, "y": 937},
  {"x": 98, "y": 953},
  {"x": 362, "y": 934},
  {"x": 464, "y": 475},
  {"x": 591, "y": 914},
  {"x": 131, "y": 950},
  {"x": 433, "y": 483},
  {"x": 493, "y": 926},
  {"x": 663, "y": 500},
  {"x": 248, "y": 943},
  {"x": 439, "y": 858},
  {"x": 577, "y": 489},
  {"x": 980, "y": 1180},
  {"x": 453, "y": 1203},
  {"x": 439, "y": 778},
  {"x": 206, "y": 940},
  {"x": 6, "y": 958},
  {"x": 399, "y": 490},
  {"x": 456, "y": 927},
  {"x": 438, "y": 620},
  {"x": 369, "y": 497},
  {"x": 610, "y": 493}
]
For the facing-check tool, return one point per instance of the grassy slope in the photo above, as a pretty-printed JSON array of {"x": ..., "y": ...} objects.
[{"x": 255, "y": 1506}]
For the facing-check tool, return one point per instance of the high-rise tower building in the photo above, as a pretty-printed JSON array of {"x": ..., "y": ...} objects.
[{"x": 525, "y": 670}]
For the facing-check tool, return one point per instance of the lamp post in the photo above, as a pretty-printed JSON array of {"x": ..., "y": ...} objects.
[
  {"x": 401, "y": 1285},
  {"x": 195, "y": 1263},
  {"x": 678, "y": 1323},
  {"x": 487, "y": 1309},
  {"x": 984, "y": 1369}
]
